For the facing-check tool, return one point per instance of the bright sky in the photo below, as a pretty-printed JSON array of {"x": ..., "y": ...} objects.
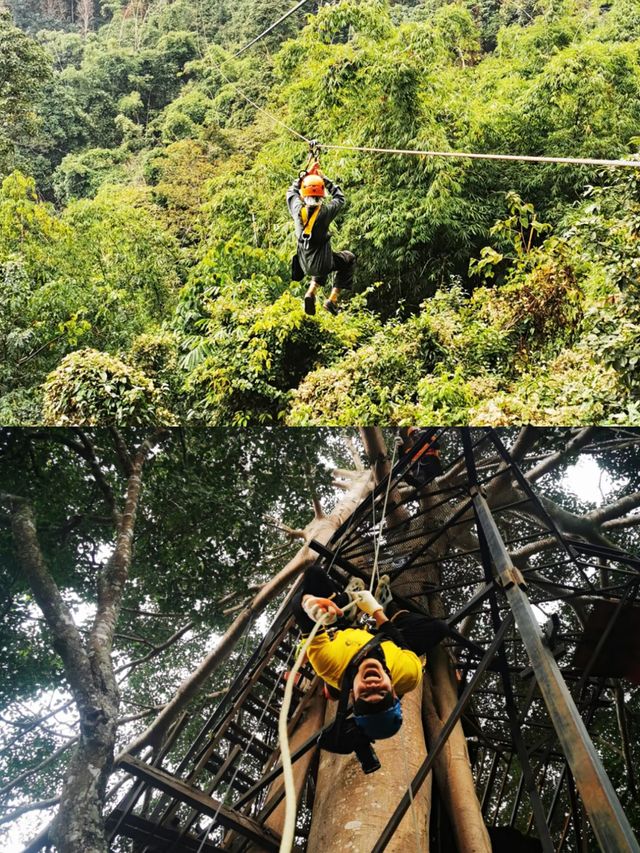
[{"x": 589, "y": 482}]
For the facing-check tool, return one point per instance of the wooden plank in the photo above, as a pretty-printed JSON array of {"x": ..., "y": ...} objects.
[
  {"x": 200, "y": 801},
  {"x": 146, "y": 831}
]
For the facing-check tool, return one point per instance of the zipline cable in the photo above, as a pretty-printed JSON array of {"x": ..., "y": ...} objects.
[
  {"x": 273, "y": 26},
  {"x": 526, "y": 158},
  {"x": 207, "y": 58},
  {"x": 262, "y": 110}
]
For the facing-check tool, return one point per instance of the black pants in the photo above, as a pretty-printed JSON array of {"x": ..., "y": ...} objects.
[
  {"x": 427, "y": 467},
  {"x": 420, "y": 633},
  {"x": 343, "y": 266}
]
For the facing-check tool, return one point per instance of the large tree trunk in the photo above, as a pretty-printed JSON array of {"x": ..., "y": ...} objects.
[
  {"x": 351, "y": 809},
  {"x": 78, "y": 826},
  {"x": 453, "y": 769}
]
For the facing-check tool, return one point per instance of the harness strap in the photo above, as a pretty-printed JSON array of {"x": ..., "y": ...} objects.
[
  {"x": 343, "y": 736},
  {"x": 428, "y": 449},
  {"x": 308, "y": 221}
]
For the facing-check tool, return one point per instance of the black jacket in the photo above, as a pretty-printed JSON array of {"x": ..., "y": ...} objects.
[{"x": 316, "y": 257}]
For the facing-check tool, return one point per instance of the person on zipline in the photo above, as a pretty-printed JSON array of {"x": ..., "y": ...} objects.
[
  {"x": 392, "y": 669},
  {"x": 312, "y": 216}
]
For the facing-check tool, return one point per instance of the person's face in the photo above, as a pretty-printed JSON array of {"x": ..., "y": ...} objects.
[{"x": 371, "y": 683}]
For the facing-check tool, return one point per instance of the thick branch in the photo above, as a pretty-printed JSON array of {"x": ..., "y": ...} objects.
[
  {"x": 614, "y": 510},
  {"x": 121, "y": 451},
  {"x": 66, "y": 637},
  {"x": 353, "y": 452},
  {"x": 376, "y": 451},
  {"x": 29, "y": 807},
  {"x": 553, "y": 460},
  {"x": 111, "y": 583},
  {"x": 99, "y": 477},
  {"x": 48, "y": 760}
]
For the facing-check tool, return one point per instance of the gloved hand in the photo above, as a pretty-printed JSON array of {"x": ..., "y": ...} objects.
[
  {"x": 316, "y": 608},
  {"x": 366, "y": 602}
]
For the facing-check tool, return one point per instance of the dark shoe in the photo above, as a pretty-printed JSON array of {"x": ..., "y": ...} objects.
[
  {"x": 310, "y": 304},
  {"x": 331, "y": 307}
]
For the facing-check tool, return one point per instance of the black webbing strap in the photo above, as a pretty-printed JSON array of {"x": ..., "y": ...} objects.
[{"x": 344, "y": 736}]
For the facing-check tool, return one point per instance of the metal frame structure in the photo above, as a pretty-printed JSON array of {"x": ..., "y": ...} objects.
[{"x": 525, "y": 707}]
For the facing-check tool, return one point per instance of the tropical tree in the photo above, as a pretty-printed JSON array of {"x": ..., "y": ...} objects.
[{"x": 24, "y": 70}]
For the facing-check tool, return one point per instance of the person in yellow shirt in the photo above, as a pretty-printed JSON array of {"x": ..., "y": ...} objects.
[{"x": 386, "y": 673}]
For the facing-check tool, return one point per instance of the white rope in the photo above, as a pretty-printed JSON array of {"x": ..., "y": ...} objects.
[
  {"x": 244, "y": 752},
  {"x": 526, "y": 158},
  {"x": 288, "y": 831}
]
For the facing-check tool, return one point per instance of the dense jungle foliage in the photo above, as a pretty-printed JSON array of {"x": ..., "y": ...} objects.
[{"x": 145, "y": 241}]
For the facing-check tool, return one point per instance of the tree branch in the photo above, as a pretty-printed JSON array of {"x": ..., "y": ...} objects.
[
  {"x": 99, "y": 477},
  {"x": 122, "y": 452},
  {"x": 319, "y": 529},
  {"x": 576, "y": 443},
  {"x": 111, "y": 582},
  {"x": 48, "y": 760},
  {"x": 156, "y": 649},
  {"x": 29, "y": 807},
  {"x": 66, "y": 637},
  {"x": 615, "y": 509}
]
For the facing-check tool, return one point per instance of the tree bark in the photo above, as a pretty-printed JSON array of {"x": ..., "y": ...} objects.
[
  {"x": 351, "y": 809},
  {"x": 453, "y": 769},
  {"x": 312, "y": 722},
  {"x": 78, "y": 826}
]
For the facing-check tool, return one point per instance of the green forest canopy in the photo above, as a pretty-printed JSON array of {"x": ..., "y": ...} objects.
[{"x": 145, "y": 243}]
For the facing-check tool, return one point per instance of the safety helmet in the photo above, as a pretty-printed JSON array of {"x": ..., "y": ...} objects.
[
  {"x": 380, "y": 719},
  {"x": 312, "y": 186}
]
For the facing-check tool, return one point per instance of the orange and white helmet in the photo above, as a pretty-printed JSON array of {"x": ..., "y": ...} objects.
[{"x": 312, "y": 187}]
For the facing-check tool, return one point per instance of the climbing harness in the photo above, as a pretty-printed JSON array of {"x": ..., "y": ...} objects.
[
  {"x": 308, "y": 223},
  {"x": 344, "y": 736}
]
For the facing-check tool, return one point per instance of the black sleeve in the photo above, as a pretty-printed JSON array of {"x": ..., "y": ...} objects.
[{"x": 393, "y": 633}]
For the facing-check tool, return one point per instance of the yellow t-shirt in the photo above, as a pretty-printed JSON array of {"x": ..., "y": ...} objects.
[{"x": 330, "y": 657}]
